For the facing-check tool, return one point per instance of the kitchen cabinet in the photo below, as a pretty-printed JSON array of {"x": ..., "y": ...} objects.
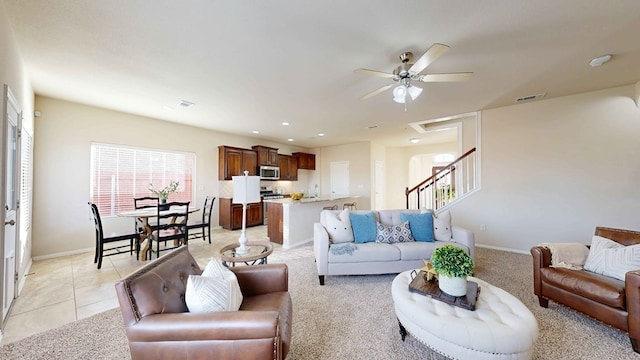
[
  {"x": 231, "y": 214},
  {"x": 288, "y": 167},
  {"x": 267, "y": 156},
  {"x": 234, "y": 161},
  {"x": 274, "y": 225},
  {"x": 305, "y": 161}
]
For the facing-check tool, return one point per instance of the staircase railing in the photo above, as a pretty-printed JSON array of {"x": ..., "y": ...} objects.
[{"x": 445, "y": 186}]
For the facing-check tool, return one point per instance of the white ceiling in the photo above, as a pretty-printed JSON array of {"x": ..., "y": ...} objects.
[{"x": 250, "y": 65}]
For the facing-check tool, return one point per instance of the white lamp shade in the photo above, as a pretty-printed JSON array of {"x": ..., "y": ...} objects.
[
  {"x": 246, "y": 189},
  {"x": 414, "y": 92}
]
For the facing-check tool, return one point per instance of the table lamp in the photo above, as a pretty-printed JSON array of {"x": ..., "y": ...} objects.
[{"x": 246, "y": 189}]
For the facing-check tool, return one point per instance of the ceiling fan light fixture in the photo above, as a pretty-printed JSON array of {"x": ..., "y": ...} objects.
[
  {"x": 414, "y": 92},
  {"x": 400, "y": 94}
]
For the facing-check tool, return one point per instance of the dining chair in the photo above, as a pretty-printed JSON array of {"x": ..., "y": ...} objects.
[
  {"x": 170, "y": 224},
  {"x": 144, "y": 202},
  {"x": 332, "y": 207},
  {"x": 197, "y": 229},
  {"x": 350, "y": 206},
  {"x": 102, "y": 240}
]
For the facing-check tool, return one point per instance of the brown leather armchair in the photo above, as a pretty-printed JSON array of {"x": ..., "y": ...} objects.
[
  {"x": 159, "y": 326},
  {"x": 609, "y": 300}
]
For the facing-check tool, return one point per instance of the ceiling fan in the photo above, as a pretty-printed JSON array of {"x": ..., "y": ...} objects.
[{"x": 407, "y": 72}]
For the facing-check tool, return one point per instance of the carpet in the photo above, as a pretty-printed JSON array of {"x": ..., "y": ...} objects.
[{"x": 352, "y": 317}]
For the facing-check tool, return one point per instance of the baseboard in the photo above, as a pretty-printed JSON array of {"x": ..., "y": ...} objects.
[
  {"x": 503, "y": 249},
  {"x": 64, "y": 253}
]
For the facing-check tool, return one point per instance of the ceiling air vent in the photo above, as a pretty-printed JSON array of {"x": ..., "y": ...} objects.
[
  {"x": 185, "y": 104},
  {"x": 530, "y": 97}
]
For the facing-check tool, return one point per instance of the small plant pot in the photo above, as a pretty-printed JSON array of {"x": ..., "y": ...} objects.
[
  {"x": 454, "y": 286},
  {"x": 163, "y": 205}
]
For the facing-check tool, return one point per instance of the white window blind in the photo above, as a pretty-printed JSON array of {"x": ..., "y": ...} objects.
[
  {"x": 26, "y": 183},
  {"x": 120, "y": 173}
]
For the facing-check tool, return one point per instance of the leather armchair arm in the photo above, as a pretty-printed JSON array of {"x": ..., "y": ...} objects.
[
  {"x": 632, "y": 291},
  {"x": 229, "y": 325},
  {"x": 541, "y": 259},
  {"x": 262, "y": 279}
]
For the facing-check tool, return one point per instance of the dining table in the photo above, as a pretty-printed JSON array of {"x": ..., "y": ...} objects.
[{"x": 142, "y": 217}]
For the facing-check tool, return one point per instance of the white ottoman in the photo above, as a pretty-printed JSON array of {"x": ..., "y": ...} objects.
[{"x": 501, "y": 327}]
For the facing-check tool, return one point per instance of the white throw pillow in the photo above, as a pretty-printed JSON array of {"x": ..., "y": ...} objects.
[
  {"x": 442, "y": 226},
  {"x": 211, "y": 294},
  {"x": 595, "y": 260},
  {"x": 339, "y": 227},
  {"x": 222, "y": 293},
  {"x": 619, "y": 261}
]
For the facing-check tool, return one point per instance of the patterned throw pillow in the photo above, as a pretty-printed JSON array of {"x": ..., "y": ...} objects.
[
  {"x": 217, "y": 289},
  {"x": 609, "y": 258},
  {"x": 390, "y": 234}
]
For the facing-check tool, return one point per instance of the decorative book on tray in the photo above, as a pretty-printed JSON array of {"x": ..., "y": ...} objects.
[{"x": 420, "y": 285}]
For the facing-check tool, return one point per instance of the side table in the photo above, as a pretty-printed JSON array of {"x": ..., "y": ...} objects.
[{"x": 258, "y": 252}]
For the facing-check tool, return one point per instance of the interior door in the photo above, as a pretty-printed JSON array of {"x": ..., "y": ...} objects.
[
  {"x": 339, "y": 179},
  {"x": 11, "y": 120}
]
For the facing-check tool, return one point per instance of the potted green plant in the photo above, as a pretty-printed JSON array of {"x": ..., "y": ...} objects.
[
  {"x": 163, "y": 194},
  {"x": 453, "y": 265}
]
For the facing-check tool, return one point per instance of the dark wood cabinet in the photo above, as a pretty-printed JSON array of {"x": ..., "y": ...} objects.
[
  {"x": 274, "y": 225},
  {"x": 288, "y": 167},
  {"x": 231, "y": 214},
  {"x": 305, "y": 161},
  {"x": 267, "y": 156},
  {"x": 234, "y": 161}
]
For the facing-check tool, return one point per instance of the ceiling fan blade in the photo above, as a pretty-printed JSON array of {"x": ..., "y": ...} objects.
[
  {"x": 434, "y": 52},
  {"x": 376, "y": 92},
  {"x": 463, "y": 76},
  {"x": 374, "y": 73}
]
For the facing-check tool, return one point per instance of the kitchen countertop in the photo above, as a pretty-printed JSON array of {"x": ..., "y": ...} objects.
[{"x": 307, "y": 200}]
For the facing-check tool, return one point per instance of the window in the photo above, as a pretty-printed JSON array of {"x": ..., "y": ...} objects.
[
  {"x": 443, "y": 158},
  {"x": 120, "y": 173}
]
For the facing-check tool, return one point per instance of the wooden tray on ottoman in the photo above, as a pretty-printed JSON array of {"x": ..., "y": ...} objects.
[{"x": 430, "y": 288}]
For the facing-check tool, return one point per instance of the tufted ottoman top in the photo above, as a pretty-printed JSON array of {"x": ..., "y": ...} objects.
[{"x": 501, "y": 327}]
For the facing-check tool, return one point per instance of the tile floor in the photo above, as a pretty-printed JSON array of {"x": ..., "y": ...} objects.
[{"x": 65, "y": 289}]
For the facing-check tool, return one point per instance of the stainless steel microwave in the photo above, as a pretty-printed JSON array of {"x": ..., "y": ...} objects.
[{"x": 269, "y": 173}]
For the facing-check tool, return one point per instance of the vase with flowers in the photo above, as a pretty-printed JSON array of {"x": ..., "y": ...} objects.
[{"x": 163, "y": 193}]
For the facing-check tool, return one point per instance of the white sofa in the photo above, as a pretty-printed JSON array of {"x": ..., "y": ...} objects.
[{"x": 377, "y": 257}]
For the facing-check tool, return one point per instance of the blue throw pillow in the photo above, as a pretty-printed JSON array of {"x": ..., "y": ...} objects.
[
  {"x": 364, "y": 227},
  {"x": 421, "y": 225}
]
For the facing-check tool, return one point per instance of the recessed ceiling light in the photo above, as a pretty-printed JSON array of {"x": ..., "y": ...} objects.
[
  {"x": 600, "y": 60},
  {"x": 256, "y": 132},
  {"x": 185, "y": 104},
  {"x": 320, "y": 134},
  {"x": 414, "y": 140},
  {"x": 285, "y": 123},
  {"x": 289, "y": 139}
]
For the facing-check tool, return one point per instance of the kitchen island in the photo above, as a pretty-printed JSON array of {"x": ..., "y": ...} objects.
[{"x": 291, "y": 221}]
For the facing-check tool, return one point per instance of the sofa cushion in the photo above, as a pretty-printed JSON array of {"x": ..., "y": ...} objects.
[
  {"x": 421, "y": 225},
  {"x": 442, "y": 226},
  {"x": 364, "y": 227},
  {"x": 339, "y": 227},
  {"x": 368, "y": 252},
  {"x": 390, "y": 234},
  {"x": 599, "y": 288}
]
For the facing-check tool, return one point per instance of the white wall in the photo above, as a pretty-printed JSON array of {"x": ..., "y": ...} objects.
[
  {"x": 12, "y": 73},
  {"x": 555, "y": 169},
  {"x": 65, "y": 130}
]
